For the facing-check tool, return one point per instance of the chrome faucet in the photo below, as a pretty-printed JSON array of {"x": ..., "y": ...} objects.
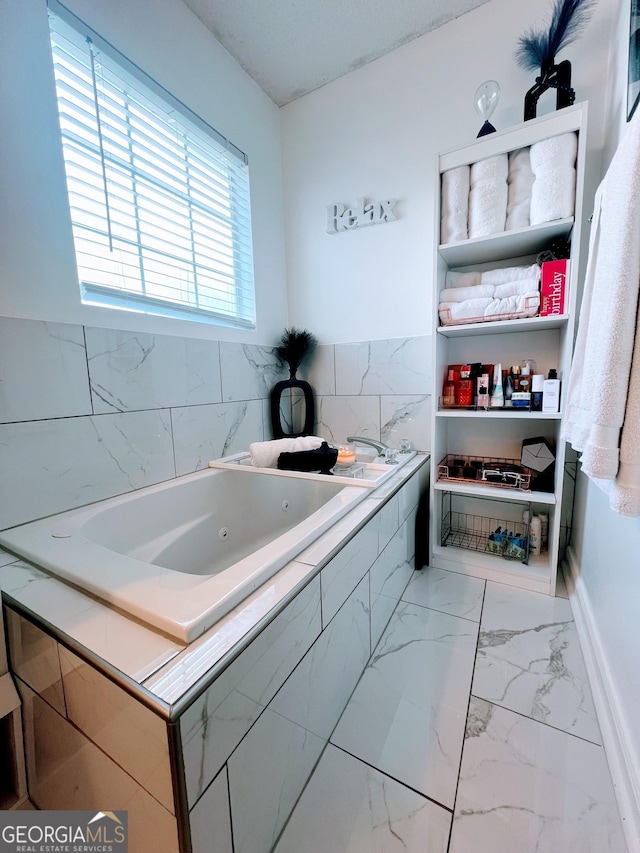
[{"x": 378, "y": 445}]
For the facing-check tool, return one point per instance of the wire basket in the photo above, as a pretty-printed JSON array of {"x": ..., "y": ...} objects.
[
  {"x": 478, "y": 533},
  {"x": 485, "y": 471}
]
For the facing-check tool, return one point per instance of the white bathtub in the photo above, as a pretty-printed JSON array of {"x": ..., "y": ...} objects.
[{"x": 180, "y": 555}]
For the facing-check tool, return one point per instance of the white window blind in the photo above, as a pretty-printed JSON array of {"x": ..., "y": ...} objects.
[{"x": 159, "y": 205}]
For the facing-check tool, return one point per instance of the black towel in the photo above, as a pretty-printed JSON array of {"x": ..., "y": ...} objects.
[{"x": 322, "y": 460}]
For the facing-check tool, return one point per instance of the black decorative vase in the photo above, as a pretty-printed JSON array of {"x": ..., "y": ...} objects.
[
  {"x": 309, "y": 407},
  {"x": 552, "y": 76}
]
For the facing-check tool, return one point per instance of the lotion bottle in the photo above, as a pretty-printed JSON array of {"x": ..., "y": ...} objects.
[
  {"x": 551, "y": 393},
  {"x": 535, "y": 535},
  {"x": 497, "y": 397}
]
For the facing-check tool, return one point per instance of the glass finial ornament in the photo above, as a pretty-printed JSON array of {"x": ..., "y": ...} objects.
[{"x": 486, "y": 100}]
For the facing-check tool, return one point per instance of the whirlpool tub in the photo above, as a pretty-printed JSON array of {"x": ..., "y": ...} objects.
[{"x": 181, "y": 554}]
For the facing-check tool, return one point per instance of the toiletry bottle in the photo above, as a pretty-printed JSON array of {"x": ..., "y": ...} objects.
[
  {"x": 535, "y": 529},
  {"x": 551, "y": 393},
  {"x": 483, "y": 391},
  {"x": 544, "y": 531},
  {"x": 537, "y": 383},
  {"x": 524, "y": 383},
  {"x": 508, "y": 389},
  {"x": 449, "y": 390},
  {"x": 521, "y": 397},
  {"x": 465, "y": 386},
  {"x": 497, "y": 397}
]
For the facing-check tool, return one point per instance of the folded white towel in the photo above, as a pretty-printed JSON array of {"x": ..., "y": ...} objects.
[
  {"x": 506, "y": 274},
  {"x": 490, "y": 291},
  {"x": 516, "y": 288},
  {"x": 488, "y": 196},
  {"x": 469, "y": 311},
  {"x": 461, "y": 294},
  {"x": 519, "y": 182},
  {"x": 485, "y": 310},
  {"x": 554, "y": 185},
  {"x": 462, "y": 279},
  {"x": 454, "y": 204},
  {"x": 264, "y": 454},
  {"x": 512, "y": 307}
]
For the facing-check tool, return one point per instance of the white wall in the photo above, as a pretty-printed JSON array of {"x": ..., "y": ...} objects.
[
  {"x": 375, "y": 133},
  {"x": 607, "y": 545},
  {"x": 168, "y": 42}
]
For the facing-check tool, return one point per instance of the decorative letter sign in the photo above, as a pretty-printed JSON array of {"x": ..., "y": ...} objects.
[{"x": 342, "y": 218}]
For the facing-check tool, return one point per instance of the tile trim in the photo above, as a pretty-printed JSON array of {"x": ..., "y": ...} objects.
[{"x": 624, "y": 765}]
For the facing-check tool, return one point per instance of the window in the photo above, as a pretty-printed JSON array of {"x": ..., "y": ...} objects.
[{"x": 159, "y": 201}]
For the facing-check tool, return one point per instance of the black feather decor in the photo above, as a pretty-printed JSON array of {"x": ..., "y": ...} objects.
[
  {"x": 568, "y": 19},
  {"x": 295, "y": 346}
]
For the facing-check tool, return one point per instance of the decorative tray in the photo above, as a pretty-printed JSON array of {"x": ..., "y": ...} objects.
[{"x": 486, "y": 471}]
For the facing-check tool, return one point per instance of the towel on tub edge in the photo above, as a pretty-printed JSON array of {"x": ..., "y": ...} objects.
[{"x": 264, "y": 454}]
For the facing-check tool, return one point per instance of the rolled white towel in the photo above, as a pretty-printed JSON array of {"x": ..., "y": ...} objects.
[
  {"x": 507, "y": 274},
  {"x": 264, "y": 454},
  {"x": 460, "y": 294},
  {"x": 554, "y": 186},
  {"x": 488, "y": 196},
  {"x": 454, "y": 204},
  {"x": 462, "y": 279},
  {"x": 519, "y": 182},
  {"x": 559, "y": 150}
]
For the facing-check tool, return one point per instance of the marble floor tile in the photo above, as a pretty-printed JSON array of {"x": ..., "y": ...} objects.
[
  {"x": 349, "y": 807},
  {"x": 527, "y": 788},
  {"x": 407, "y": 714},
  {"x": 458, "y": 595},
  {"x": 529, "y": 660}
]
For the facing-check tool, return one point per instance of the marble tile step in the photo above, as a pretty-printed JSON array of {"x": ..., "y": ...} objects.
[
  {"x": 407, "y": 714},
  {"x": 529, "y": 660},
  {"x": 529, "y": 788},
  {"x": 456, "y": 594},
  {"x": 352, "y": 808}
]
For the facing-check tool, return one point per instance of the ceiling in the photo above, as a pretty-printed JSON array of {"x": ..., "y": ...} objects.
[{"x": 291, "y": 47}]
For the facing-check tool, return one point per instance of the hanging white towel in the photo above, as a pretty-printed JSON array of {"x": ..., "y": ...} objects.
[
  {"x": 603, "y": 404},
  {"x": 488, "y": 196},
  {"x": 520, "y": 181},
  {"x": 455, "y": 204},
  {"x": 554, "y": 185}
]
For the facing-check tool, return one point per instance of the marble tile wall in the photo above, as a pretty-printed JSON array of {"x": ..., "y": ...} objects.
[
  {"x": 89, "y": 413},
  {"x": 379, "y": 389}
]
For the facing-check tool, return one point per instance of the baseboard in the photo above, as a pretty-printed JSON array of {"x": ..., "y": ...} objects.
[{"x": 624, "y": 765}]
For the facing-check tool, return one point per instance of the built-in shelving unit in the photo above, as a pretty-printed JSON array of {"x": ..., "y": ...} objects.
[{"x": 548, "y": 340}]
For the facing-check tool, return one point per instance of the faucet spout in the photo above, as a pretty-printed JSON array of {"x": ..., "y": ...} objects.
[{"x": 371, "y": 442}]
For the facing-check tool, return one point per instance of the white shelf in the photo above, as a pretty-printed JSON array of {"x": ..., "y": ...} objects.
[
  {"x": 505, "y": 244},
  {"x": 535, "y": 575},
  {"x": 548, "y": 340},
  {"x": 496, "y": 493},
  {"x": 500, "y": 414},
  {"x": 503, "y": 327}
]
